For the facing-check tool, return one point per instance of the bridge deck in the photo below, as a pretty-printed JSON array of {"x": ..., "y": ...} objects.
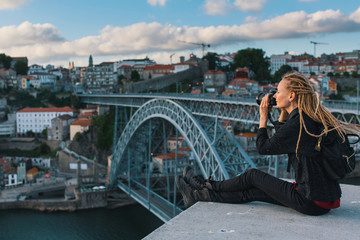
[{"x": 264, "y": 221}]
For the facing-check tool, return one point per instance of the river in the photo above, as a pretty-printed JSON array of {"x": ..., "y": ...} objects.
[{"x": 129, "y": 222}]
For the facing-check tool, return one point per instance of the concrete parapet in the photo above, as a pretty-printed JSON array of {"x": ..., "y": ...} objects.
[{"x": 259, "y": 220}]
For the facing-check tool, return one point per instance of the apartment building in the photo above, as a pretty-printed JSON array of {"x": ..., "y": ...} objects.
[
  {"x": 100, "y": 76},
  {"x": 79, "y": 125},
  {"x": 38, "y": 119},
  {"x": 276, "y": 61},
  {"x": 60, "y": 127}
]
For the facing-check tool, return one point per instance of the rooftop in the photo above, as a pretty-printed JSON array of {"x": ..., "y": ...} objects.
[
  {"x": 257, "y": 220},
  {"x": 61, "y": 109}
]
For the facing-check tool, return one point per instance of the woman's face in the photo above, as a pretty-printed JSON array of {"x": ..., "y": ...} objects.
[{"x": 283, "y": 95}]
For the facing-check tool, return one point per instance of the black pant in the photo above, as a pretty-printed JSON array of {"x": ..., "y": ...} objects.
[{"x": 255, "y": 185}]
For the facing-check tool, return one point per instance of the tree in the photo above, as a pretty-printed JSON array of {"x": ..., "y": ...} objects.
[
  {"x": 330, "y": 74},
  {"x": 281, "y": 72},
  {"x": 5, "y": 61},
  {"x": 44, "y": 132},
  {"x": 354, "y": 74},
  {"x": 21, "y": 68},
  {"x": 213, "y": 60},
  {"x": 346, "y": 74},
  {"x": 135, "y": 76},
  {"x": 255, "y": 61},
  {"x": 44, "y": 148}
]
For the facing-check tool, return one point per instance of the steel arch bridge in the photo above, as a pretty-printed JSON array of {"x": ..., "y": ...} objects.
[{"x": 216, "y": 153}]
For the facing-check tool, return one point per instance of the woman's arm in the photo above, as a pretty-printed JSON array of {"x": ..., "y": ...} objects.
[
  {"x": 264, "y": 109},
  {"x": 283, "y": 141}
]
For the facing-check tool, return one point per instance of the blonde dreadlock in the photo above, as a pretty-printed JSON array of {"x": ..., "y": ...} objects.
[{"x": 309, "y": 103}]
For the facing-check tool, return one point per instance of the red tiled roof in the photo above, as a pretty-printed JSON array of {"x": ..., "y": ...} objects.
[
  {"x": 170, "y": 156},
  {"x": 126, "y": 66},
  {"x": 159, "y": 67},
  {"x": 214, "y": 72},
  {"x": 63, "y": 109},
  {"x": 84, "y": 122}
]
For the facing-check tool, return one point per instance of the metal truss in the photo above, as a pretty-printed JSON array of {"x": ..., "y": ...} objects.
[
  {"x": 227, "y": 108},
  {"x": 215, "y": 150}
]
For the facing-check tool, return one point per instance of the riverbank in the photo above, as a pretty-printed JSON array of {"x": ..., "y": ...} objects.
[{"x": 83, "y": 200}]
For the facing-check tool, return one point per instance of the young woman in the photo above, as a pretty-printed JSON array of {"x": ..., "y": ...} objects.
[{"x": 296, "y": 132}]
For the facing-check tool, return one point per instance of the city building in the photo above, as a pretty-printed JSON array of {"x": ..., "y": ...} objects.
[
  {"x": 79, "y": 125},
  {"x": 100, "y": 76},
  {"x": 166, "y": 163},
  {"x": 215, "y": 79},
  {"x": 8, "y": 128},
  {"x": 155, "y": 71},
  {"x": 38, "y": 119},
  {"x": 276, "y": 61},
  {"x": 31, "y": 174},
  {"x": 60, "y": 127},
  {"x": 21, "y": 172}
]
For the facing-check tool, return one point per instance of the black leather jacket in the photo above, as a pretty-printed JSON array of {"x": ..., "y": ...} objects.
[{"x": 310, "y": 178}]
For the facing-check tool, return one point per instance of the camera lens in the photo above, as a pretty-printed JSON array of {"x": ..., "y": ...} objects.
[{"x": 259, "y": 98}]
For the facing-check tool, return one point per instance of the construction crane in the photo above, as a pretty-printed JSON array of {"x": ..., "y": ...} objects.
[
  {"x": 171, "y": 57},
  {"x": 316, "y": 43},
  {"x": 203, "y": 45}
]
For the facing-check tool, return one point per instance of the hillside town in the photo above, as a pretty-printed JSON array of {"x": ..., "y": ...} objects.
[{"x": 53, "y": 129}]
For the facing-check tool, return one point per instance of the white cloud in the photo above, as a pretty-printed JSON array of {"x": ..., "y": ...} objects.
[
  {"x": 157, "y": 2},
  {"x": 355, "y": 16},
  {"x": 217, "y": 7},
  {"x": 27, "y": 34},
  {"x": 250, "y": 5},
  {"x": 11, "y": 4},
  {"x": 42, "y": 43}
]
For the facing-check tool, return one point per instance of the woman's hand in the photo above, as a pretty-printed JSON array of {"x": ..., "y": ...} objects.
[{"x": 264, "y": 109}]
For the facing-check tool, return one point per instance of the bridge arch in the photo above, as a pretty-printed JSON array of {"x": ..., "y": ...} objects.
[{"x": 205, "y": 154}]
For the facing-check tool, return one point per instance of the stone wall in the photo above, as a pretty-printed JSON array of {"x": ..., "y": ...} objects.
[
  {"x": 82, "y": 201},
  {"x": 194, "y": 74}
]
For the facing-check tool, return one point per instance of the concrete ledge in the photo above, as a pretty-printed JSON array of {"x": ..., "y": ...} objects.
[{"x": 258, "y": 220}]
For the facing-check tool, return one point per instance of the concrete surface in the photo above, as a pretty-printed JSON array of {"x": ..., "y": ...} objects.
[{"x": 256, "y": 220}]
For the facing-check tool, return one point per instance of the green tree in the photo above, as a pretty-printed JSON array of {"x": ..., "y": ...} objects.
[
  {"x": 21, "y": 68},
  {"x": 346, "y": 74},
  {"x": 44, "y": 148},
  {"x": 5, "y": 61},
  {"x": 254, "y": 60},
  {"x": 45, "y": 132},
  {"x": 135, "y": 76},
  {"x": 213, "y": 60},
  {"x": 330, "y": 74},
  {"x": 354, "y": 74},
  {"x": 281, "y": 72},
  {"x": 120, "y": 78}
]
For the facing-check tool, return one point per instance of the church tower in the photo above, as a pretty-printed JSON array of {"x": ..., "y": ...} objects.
[{"x": 91, "y": 61}]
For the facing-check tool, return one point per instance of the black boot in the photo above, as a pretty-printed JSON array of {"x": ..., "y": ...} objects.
[
  {"x": 196, "y": 182},
  {"x": 191, "y": 196},
  {"x": 186, "y": 191}
]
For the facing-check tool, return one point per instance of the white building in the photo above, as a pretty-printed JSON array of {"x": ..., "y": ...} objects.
[
  {"x": 38, "y": 119},
  {"x": 45, "y": 79},
  {"x": 276, "y": 61},
  {"x": 8, "y": 128},
  {"x": 36, "y": 69}
]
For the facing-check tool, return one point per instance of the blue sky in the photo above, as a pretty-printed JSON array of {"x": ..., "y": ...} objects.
[{"x": 59, "y": 31}]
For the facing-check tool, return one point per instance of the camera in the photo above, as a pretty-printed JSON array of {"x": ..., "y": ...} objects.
[{"x": 272, "y": 100}]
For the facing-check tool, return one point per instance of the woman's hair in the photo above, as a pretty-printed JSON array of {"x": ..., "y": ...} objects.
[{"x": 309, "y": 102}]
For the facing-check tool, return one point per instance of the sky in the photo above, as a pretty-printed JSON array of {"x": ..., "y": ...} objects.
[{"x": 59, "y": 31}]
